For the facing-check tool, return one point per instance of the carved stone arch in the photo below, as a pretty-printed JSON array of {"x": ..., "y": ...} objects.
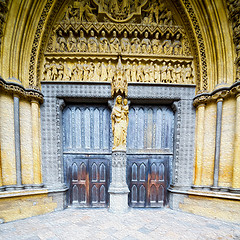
[{"x": 183, "y": 10}]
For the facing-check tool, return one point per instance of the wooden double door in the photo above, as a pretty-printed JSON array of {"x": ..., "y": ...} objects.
[{"x": 87, "y": 147}]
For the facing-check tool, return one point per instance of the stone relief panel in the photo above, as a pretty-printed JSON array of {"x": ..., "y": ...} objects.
[{"x": 90, "y": 38}]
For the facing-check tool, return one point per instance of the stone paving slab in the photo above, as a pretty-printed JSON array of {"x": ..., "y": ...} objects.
[{"x": 143, "y": 224}]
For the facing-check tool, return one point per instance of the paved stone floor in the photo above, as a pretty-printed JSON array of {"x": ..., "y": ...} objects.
[{"x": 136, "y": 224}]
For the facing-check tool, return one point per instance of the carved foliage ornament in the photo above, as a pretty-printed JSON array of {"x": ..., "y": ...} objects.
[{"x": 3, "y": 13}]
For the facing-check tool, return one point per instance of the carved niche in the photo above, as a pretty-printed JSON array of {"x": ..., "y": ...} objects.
[{"x": 91, "y": 36}]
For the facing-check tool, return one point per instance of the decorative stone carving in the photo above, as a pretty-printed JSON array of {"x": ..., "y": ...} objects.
[
  {"x": 119, "y": 119},
  {"x": 125, "y": 43},
  {"x": 146, "y": 44},
  {"x": 135, "y": 43},
  {"x": 103, "y": 43},
  {"x": 114, "y": 43},
  {"x": 82, "y": 43}
]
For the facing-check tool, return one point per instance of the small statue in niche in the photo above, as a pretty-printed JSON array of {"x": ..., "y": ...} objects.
[
  {"x": 92, "y": 42},
  {"x": 156, "y": 46},
  {"x": 67, "y": 72},
  {"x": 169, "y": 73},
  {"x": 91, "y": 70},
  {"x": 146, "y": 73},
  {"x": 103, "y": 43},
  {"x": 188, "y": 73},
  {"x": 110, "y": 71},
  {"x": 47, "y": 71},
  {"x": 90, "y": 17},
  {"x": 114, "y": 43},
  {"x": 135, "y": 43},
  {"x": 146, "y": 44},
  {"x": 85, "y": 72},
  {"x": 71, "y": 42},
  {"x": 125, "y": 43},
  {"x": 128, "y": 71},
  {"x": 164, "y": 72},
  {"x": 75, "y": 73},
  {"x": 156, "y": 73},
  {"x": 54, "y": 74},
  {"x": 134, "y": 73},
  {"x": 177, "y": 45},
  {"x": 174, "y": 77},
  {"x": 140, "y": 74},
  {"x": 97, "y": 72},
  {"x": 62, "y": 43},
  {"x": 103, "y": 72},
  {"x": 151, "y": 72},
  {"x": 178, "y": 72},
  {"x": 167, "y": 45},
  {"x": 82, "y": 42},
  {"x": 119, "y": 119},
  {"x": 60, "y": 70}
]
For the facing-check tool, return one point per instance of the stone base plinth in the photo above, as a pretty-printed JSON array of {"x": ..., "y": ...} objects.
[{"x": 118, "y": 200}]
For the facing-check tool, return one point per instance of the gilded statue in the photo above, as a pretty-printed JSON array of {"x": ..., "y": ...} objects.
[
  {"x": 156, "y": 46},
  {"x": 164, "y": 72},
  {"x": 169, "y": 73},
  {"x": 134, "y": 72},
  {"x": 92, "y": 42},
  {"x": 120, "y": 120},
  {"x": 71, "y": 42},
  {"x": 104, "y": 75},
  {"x": 146, "y": 44},
  {"x": 140, "y": 75},
  {"x": 110, "y": 71},
  {"x": 125, "y": 43},
  {"x": 167, "y": 45},
  {"x": 86, "y": 71},
  {"x": 114, "y": 43},
  {"x": 146, "y": 73},
  {"x": 103, "y": 43},
  {"x": 177, "y": 46},
  {"x": 62, "y": 44},
  {"x": 151, "y": 72},
  {"x": 97, "y": 72},
  {"x": 67, "y": 72},
  {"x": 135, "y": 43},
  {"x": 82, "y": 44},
  {"x": 188, "y": 73},
  {"x": 178, "y": 72}
]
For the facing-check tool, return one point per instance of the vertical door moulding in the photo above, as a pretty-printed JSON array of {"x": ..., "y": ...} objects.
[
  {"x": 236, "y": 164},
  {"x": 199, "y": 144},
  {"x": 37, "y": 176},
  {"x": 17, "y": 141},
  {"x": 7, "y": 141},
  {"x": 217, "y": 143}
]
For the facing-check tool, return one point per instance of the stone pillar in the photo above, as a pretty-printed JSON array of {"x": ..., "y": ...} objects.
[
  {"x": 236, "y": 163},
  {"x": 118, "y": 189},
  {"x": 17, "y": 141},
  {"x": 217, "y": 143},
  {"x": 199, "y": 144},
  {"x": 37, "y": 175}
]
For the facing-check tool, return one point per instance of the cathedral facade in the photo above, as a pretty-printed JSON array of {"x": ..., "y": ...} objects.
[{"x": 119, "y": 104}]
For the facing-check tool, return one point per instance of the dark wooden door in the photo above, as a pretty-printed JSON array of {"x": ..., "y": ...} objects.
[
  {"x": 149, "y": 153},
  {"x": 86, "y": 151}
]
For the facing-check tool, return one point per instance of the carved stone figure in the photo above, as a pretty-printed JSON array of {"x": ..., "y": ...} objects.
[
  {"x": 177, "y": 46},
  {"x": 125, "y": 43},
  {"x": 128, "y": 71},
  {"x": 47, "y": 71},
  {"x": 67, "y": 72},
  {"x": 110, "y": 71},
  {"x": 114, "y": 43},
  {"x": 164, "y": 72},
  {"x": 103, "y": 43},
  {"x": 134, "y": 72},
  {"x": 174, "y": 77},
  {"x": 140, "y": 75},
  {"x": 113, "y": 7},
  {"x": 166, "y": 17},
  {"x": 149, "y": 19},
  {"x": 54, "y": 71},
  {"x": 151, "y": 72},
  {"x": 156, "y": 46},
  {"x": 71, "y": 42},
  {"x": 85, "y": 72},
  {"x": 188, "y": 73},
  {"x": 156, "y": 73},
  {"x": 104, "y": 75},
  {"x": 125, "y": 8},
  {"x": 92, "y": 42},
  {"x": 135, "y": 43},
  {"x": 146, "y": 44},
  {"x": 90, "y": 17},
  {"x": 62, "y": 43},
  {"x": 82, "y": 43},
  {"x": 119, "y": 119},
  {"x": 91, "y": 70},
  {"x": 169, "y": 73},
  {"x": 146, "y": 73},
  {"x": 179, "y": 73},
  {"x": 167, "y": 45},
  {"x": 97, "y": 72},
  {"x": 60, "y": 69}
]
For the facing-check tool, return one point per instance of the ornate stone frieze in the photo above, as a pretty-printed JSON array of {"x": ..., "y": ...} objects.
[
  {"x": 220, "y": 93},
  {"x": 234, "y": 16},
  {"x": 16, "y": 88}
]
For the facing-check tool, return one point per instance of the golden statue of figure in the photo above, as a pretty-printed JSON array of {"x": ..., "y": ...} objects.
[{"x": 119, "y": 119}]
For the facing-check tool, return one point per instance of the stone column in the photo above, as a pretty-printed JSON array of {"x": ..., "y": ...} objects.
[
  {"x": 17, "y": 141},
  {"x": 199, "y": 144},
  {"x": 37, "y": 175},
  {"x": 236, "y": 163},
  {"x": 217, "y": 143},
  {"x": 118, "y": 189}
]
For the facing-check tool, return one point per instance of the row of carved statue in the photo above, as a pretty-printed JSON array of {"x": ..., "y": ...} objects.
[
  {"x": 132, "y": 72},
  {"x": 135, "y": 45}
]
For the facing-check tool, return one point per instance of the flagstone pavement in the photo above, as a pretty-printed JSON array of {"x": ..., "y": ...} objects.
[{"x": 99, "y": 223}]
